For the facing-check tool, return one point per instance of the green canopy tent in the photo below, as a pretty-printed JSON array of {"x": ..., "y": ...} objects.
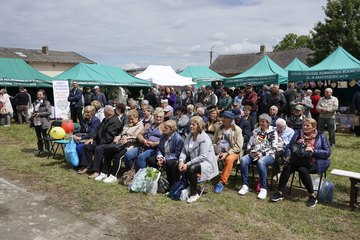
[
  {"x": 202, "y": 75},
  {"x": 340, "y": 65},
  {"x": 265, "y": 71},
  {"x": 96, "y": 74},
  {"x": 16, "y": 72},
  {"x": 296, "y": 65}
]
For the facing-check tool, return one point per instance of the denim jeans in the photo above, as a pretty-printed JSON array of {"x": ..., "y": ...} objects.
[
  {"x": 143, "y": 157},
  {"x": 261, "y": 164},
  {"x": 130, "y": 155}
]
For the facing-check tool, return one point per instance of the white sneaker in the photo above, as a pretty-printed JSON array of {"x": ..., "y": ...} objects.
[
  {"x": 193, "y": 198},
  {"x": 244, "y": 190},
  {"x": 101, "y": 177},
  {"x": 110, "y": 179},
  {"x": 262, "y": 194}
]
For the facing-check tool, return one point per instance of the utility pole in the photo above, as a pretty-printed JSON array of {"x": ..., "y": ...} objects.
[{"x": 211, "y": 53}]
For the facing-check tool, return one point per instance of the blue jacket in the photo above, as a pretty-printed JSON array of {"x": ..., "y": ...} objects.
[
  {"x": 75, "y": 98},
  {"x": 322, "y": 150},
  {"x": 89, "y": 127},
  {"x": 176, "y": 145}
]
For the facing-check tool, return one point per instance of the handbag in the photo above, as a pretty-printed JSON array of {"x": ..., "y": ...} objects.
[
  {"x": 163, "y": 183},
  {"x": 127, "y": 178},
  {"x": 177, "y": 188},
  {"x": 299, "y": 156}
]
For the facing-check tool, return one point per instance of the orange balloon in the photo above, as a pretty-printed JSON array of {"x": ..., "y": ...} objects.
[{"x": 68, "y": 126}]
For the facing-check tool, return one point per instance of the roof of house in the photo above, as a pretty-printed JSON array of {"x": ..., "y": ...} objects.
[
  {"x": 38, "y": 55},
  {"x": 231, "y": 65}
]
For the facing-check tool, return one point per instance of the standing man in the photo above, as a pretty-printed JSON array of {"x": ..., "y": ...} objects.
[
  {"x": 22, "y": 105},
  {"x": 152, "y": 98},
  {"x": 99, "y": 96},
  {"x": 356, "y": 108},
  {"x": 76, "y": 104},
  {"x": 327, "y": 107},
  {"x": 230, "y": 140},
  {"x": 278, "y": 99}
]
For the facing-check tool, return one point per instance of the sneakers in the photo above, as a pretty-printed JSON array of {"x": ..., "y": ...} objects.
[
  {"x": 278, "y": 196},
  {"x": 244, "y": 190},
  {"x": 262, "y": 194},
  {"x": 311, "y": 202},
  {"x": 110, "y": 179},
  {"x": 101, "y": 177},
  {"x": 219, "y": 187},
  {"x": 193, "y": 198},
  {"x": 94, "y": 175}
]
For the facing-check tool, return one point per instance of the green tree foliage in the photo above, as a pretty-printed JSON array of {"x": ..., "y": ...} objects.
[
  {"x": 341, "y": 28},
  {"x": 292, "y": 41}
]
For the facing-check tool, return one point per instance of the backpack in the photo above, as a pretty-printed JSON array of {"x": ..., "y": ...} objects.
[{"x": 177, "y": 188}]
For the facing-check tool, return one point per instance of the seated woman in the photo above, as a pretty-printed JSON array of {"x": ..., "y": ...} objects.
[
  {"x": 121, "y": 144},
  {"x": 190, "y": 110},
  {"x": 148, "y": 115},
  {"x": 261, "y": 147},
  {"x": 197, "y": 157},
  {"x": 90, "y": 125},
  {"x": 213, "y": 123},
  {"x": 99, "y": 110},
  {"x": 148, "y": 140},
  {"x": 182, "y": 121},
  {"x": 252, "y": 121},
  {"x": 169, "y": 149},
  {"x": 319, "y": 146}
]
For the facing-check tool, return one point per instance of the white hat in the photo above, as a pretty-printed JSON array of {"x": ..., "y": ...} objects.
[{"x": 96, "y": 87}]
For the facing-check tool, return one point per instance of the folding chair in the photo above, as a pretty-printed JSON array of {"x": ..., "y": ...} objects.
[
  {"x": 322, "y": 174},
  {"x": 48, "y": 138}
]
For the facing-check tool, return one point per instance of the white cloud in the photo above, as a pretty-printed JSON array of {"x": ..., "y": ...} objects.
[
  {"x": 129, "y": 66},
  {"x": 142, "y": 32}
]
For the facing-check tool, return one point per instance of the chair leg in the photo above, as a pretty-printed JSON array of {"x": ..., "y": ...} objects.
[
  {"x": 57, "y": 147},
  {"x": 51, "y": 149},
  {"x": 292, "y": 181},
  {"x": 237, "y": 169},
  {"x": 321, "y": 176}
]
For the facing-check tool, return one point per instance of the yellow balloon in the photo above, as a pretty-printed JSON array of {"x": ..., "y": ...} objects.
[{"x": 57, "y": 133}]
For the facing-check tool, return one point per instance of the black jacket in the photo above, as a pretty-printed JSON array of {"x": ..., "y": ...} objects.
[{"x": 108, "y": 129}]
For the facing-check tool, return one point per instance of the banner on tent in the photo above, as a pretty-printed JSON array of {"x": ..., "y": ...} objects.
[
  {"x": 256, "y": 81},
  {"x": 61, "y": 93},
  {"x": 324, "y": 75}
]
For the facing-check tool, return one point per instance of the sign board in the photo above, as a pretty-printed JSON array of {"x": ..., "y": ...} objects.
[{"x": 61, "y": 93}]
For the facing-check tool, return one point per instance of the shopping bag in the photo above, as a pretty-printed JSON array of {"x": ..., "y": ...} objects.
[
  {"x": 70, "y": 153},
  {"x": 326, "y": 192}
]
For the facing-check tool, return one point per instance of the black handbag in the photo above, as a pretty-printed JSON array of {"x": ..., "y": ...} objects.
[{"x": 299, "y": 156}]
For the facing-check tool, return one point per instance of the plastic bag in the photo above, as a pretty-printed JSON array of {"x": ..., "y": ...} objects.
[
  {"x": 326, "y": 192},
  {"x": 146, "y": 181},
  {"x": 70, "y": 153}
]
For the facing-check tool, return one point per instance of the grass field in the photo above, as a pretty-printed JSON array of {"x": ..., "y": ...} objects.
[{"x": 213, "y": 216}]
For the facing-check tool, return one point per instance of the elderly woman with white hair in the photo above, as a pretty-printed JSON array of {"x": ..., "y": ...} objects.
[{"x": 261, "y": 147}]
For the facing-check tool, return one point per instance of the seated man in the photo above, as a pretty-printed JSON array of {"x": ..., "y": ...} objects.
[
  {"x": 284, "y": 136},
  {"x": 296, "y": 120},
  {"x": 229, "y": 137},
  {"x": 108, "y": 129}
]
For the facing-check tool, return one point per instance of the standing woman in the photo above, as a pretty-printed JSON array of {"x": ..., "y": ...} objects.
[
  {"x": 41, "y": 120},
  {"x": 197, "y": 157},
  {"x": 6, "y": 110}
]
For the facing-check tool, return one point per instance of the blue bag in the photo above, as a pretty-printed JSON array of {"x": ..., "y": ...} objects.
[
  {"x": 175, "y": 190},
  {"x": 71, "y": 155},
  {"x": 326, "y": 192}
]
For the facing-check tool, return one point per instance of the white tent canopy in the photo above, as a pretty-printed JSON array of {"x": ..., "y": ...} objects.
[{"x": 164, "y": 76}]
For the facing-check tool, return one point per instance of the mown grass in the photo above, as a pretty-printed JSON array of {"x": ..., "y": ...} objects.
[{"x": 214, "y": 216}]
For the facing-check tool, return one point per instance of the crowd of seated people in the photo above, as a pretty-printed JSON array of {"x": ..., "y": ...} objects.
[{"x": 191, "y": 133}]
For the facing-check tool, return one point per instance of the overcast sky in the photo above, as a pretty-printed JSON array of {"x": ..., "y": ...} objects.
[{"x": 137, "y": 33}]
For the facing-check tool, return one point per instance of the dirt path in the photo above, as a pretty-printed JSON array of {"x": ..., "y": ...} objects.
[{"x": 25, "y": 215}]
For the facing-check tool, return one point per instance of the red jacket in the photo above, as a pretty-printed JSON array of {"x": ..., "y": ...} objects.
[
  {"x": 314, "y": 100},
  {"x": 250, "y": 98}
]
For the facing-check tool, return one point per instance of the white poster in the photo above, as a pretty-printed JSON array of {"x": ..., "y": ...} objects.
[{"x": 61, "y": 93}]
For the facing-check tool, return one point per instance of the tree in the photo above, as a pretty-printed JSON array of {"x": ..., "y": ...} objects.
[
  {"x": 292, "y": 41},
  {"x": 341, "y": 28}
]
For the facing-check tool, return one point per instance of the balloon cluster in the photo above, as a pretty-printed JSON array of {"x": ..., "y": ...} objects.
[{"x": 60, "y": 132}]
